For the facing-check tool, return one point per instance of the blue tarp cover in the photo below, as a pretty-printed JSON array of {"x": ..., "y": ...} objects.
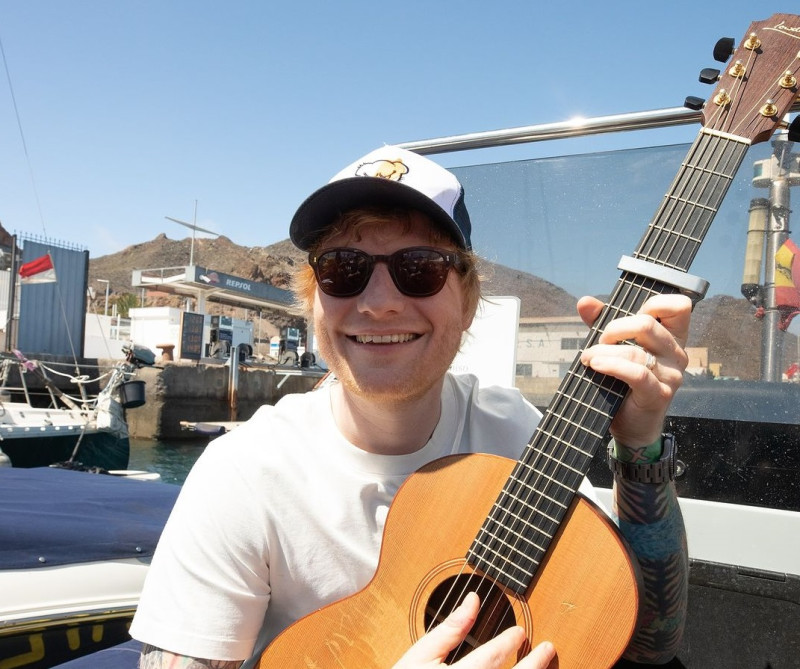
[
  {"x": 124, "y": 656},
  {"x": 54, "y": 517}
]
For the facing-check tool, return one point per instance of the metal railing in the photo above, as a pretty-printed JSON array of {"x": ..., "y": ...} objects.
[{"x": 577, "y": 127}]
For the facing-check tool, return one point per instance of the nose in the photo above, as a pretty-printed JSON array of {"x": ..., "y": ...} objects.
[{"x": 380, "y": 295}]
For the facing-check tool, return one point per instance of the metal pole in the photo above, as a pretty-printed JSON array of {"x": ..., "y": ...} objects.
[
  {"x": 777, "y": 233},
  {"x": 12, "y": 296},
  {"x": 108, "y": 285},
  {"x": 194, "y": 229},
  {"x": 658, "y": 118},
  {"x": 233, "y": 382}
]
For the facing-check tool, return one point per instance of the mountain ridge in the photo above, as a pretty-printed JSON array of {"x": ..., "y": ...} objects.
[{"x": 724, "y": 324}]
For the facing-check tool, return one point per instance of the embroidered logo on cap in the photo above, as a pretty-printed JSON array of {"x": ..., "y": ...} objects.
[{"x": 394, "y": 170}]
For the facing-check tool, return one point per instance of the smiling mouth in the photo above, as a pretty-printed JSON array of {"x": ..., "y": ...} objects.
[{"x": 386, "y": 339}]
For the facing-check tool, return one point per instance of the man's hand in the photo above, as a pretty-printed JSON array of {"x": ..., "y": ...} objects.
[
  {"x": 432, "y": 649},
  {"x": 661, "y": 328}
]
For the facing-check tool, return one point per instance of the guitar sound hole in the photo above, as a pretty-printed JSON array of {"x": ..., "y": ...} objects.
[{"x": 496, "y": 613}]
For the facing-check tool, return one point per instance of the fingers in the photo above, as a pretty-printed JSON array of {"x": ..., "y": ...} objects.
[
  {"x": 661, "y": 327},
  {"x": 432, "y": 649},
  {"x": 653, "y": 368},
  {"x": 673, "y": 312},
  {"x": 589, "y": 309},
  {"x": 539, "y": 658}
]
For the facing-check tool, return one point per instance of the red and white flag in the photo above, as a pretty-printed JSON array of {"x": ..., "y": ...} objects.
[{"x": 40, "y": 270}]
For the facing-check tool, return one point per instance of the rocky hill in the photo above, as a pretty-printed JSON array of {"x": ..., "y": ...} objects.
[
  {"x": 273, "y": 264},
  {"x": 726, "y": 325}
]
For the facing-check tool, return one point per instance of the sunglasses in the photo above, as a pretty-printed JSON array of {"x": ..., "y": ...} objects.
[{"x": 418, "y": 271}]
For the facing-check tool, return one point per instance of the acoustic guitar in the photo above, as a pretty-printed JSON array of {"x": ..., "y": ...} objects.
[{"x": 538, "y": 554}]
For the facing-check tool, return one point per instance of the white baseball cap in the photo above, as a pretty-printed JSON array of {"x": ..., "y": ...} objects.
[{"x": 388, "y": 176}]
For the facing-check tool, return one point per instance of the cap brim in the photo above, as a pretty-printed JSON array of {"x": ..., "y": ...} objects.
[{"x": 322, "y": 207}]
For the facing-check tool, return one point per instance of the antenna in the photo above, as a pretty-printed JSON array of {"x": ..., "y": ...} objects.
[{"x": 194, "y": 228}]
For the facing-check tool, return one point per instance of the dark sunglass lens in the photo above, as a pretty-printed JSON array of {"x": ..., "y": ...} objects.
[
  {"x": 343, "y": 272},
  {"x": 420, "y": 272}
]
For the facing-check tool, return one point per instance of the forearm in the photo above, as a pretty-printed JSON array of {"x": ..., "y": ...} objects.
[
  {"x": 649, "y": 517},
  {"x": 156, "y": 658}
]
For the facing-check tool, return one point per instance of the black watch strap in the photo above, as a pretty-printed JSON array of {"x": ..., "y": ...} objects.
[{"x": 660, "y": 471}]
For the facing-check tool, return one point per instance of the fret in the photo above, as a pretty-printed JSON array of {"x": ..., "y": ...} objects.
[
  {"x": 556, "y": 461},
  {"x": 497, "y": 509},
  {"x": 523, "y": 552},
  {"x": 583, "y": 404},
  {"x": 550, "y": 479},
  {"x": 691, "y": 203},
  {"x": 517, "y": 495},
  {"x": 570, "y": 421},
  {"x": 706, "y": 170},
  {"x": 646, "y": 285},
  {"x": 538, "y": 525},
  {"x": 509, "y": 516},
  {"x": 677, "y": 235},
  {"x": 492, "y": 546},
  {"x": 570, "y": 434},
  {"x": 517, "y": 582},
  {"x": 564, "y": 442}
]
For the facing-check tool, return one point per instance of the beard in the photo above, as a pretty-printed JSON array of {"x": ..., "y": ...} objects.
[{"x": 389, "y": 381}]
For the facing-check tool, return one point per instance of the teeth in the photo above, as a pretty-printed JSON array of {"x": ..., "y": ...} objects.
[{"x": 384, "y": 339}]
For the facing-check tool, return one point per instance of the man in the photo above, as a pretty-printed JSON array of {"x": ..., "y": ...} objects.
[{"x": 285, "y": 514}]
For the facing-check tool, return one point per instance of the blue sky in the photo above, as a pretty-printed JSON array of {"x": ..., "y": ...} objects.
[{"x": 132, "y": 111}]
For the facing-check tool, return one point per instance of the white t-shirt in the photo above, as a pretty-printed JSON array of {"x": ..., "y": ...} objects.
[{"x": 283, "y": 515}]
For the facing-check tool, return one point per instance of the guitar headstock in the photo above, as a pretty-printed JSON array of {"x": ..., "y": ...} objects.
[{"x": 760, "y": 82}]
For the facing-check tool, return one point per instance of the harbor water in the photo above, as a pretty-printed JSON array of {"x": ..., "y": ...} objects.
[{"x": 172, "y": 460}]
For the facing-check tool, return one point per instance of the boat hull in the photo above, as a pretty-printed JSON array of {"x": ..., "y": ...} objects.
[{"x": 99, "y": 449}]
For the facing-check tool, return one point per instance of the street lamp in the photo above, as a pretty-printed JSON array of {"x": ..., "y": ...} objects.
[{"x": 108, "y": 284}]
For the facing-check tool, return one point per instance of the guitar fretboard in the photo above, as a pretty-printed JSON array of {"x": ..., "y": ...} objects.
[{"x": 528, "y": 512}]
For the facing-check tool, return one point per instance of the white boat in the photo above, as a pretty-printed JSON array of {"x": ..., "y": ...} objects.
[{"x": 76, "y": 429}]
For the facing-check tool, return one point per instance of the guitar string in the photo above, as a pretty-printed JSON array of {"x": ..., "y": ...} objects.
[{"x": 694, "y": 182}]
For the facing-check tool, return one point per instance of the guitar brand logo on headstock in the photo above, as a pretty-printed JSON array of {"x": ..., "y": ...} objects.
[{"x": 789, "y": 30}]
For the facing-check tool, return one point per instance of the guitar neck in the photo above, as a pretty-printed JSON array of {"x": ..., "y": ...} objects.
[{"x": 515, "y": 537}]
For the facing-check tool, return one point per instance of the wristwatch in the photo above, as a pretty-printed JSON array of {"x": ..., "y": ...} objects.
[{"x": 661, "y": 471}]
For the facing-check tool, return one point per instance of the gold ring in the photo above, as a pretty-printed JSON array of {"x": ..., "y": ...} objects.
[{"x": 649, "y": 361}]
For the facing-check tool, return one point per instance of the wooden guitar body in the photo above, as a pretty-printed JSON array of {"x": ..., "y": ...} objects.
[{"x": 584, "y": 598}]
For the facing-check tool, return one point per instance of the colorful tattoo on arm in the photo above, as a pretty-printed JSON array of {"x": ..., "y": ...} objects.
[
  {"x": 649, "y": 517},
  {"x": 156, "y": 658}
]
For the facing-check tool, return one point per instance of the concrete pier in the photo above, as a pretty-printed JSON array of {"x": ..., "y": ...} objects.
[{"x": 198, "y": 392}]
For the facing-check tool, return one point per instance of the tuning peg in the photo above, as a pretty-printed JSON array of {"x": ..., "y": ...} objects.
[
  {"x": 693, "y": 102},
  {"x": 723, "y": 49},
  {"x": 709, "y": 75},
  {"x": 793, "y": 133}
]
